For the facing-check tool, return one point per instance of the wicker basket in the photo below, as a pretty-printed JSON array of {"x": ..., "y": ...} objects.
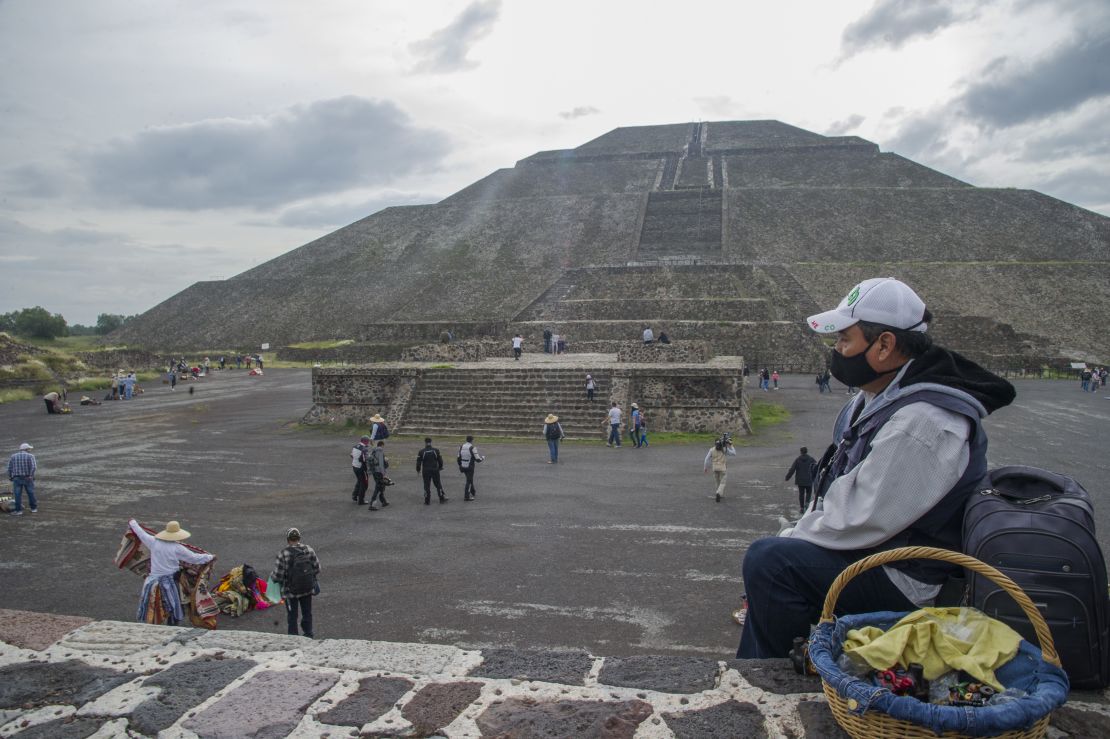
[{"x": 875, "y": 724}]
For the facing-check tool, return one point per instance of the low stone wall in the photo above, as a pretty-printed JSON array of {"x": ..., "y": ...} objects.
[
  {"x": 689, "y": 309},
  {"x": 690, "y": 399},
  {"x": 456, "y": 351},
  {"x": 686, "y": 352},
  {"x": 126, "y": 359},
  {"x": 340, "y": 395},
  {"x": 347, "y": 353}
]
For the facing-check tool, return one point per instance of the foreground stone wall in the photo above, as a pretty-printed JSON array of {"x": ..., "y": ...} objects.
[
  {"x": 340, "y": 395},
  {"x": 458, "y": 351},
  {"x": 687, "y": 352}
]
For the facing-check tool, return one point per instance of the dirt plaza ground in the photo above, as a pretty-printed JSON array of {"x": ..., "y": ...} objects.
[{"x": 619, "y": 552}]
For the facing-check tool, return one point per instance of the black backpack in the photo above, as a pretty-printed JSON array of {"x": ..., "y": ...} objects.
[
  {"x": 383, "y": 431},
  {"x": 1037, "y": 527},
  {"x": 433, "y": 465},
  {"x": 301, "y": 576},
  {"x": 554, "y": 431}
]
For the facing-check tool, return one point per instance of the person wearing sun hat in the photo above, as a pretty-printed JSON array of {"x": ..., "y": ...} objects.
[
  {"x": 378, "y": 430},
  {"x": 22, "y": 467},
  {"x": 553, "y": 433},
  {"x": 907, "y": 453},
  {"x": 166, "y": 555}
]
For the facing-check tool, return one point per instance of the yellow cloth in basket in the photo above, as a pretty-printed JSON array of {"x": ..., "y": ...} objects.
[{"x": 940, "y": 639}]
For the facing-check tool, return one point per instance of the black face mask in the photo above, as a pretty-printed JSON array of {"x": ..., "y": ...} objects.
[{"x": 853, "y": 371}]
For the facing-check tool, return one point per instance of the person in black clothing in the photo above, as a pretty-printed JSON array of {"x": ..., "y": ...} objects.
[
  {"x": 429, "y": 462},
  {"x": 547, "y": 340},
  {"x": 802, "y": 472},
  {"x": 360, "y": 457},
  {"x": 663, "y": 338}
]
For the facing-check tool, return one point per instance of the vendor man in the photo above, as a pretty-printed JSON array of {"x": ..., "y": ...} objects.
[{"x": 909, "y": 451}]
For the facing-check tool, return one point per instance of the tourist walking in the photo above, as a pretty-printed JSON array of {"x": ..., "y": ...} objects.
[
  {"x": 775, "y": 379},
  {"x": 634, "y": 426},
  {"x": 173, "y": 380},
  {"x": 613, "y": 418},
  {"x": 160, "y": 600},
  {"x": 591, "y": 387},
  {"x": 1085, "y": 379},
  {"x": 378, "y": 464},
  {"x": 715, "y": 461},
  {"x": 553, "y": 433},
  {"x": 518, "y": 345},
  {"x": 360, "y": 456},
  {"x": 802, "y": 470},
  {"x": 547, "y": 341},
  {"x": 428, "y": 463},
  {"x": 468, "y": 460},
  {"x": 296, "y": 569},
  {"x": 22, "y": 467},
  {"x": 378, "y": 430}
]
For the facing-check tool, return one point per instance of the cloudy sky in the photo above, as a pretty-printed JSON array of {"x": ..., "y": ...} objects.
[{"x": 148, "y": 145}]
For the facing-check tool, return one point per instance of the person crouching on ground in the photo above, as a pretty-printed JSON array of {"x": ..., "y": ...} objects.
[
  {"x": 715, "y": 460},
  {"x": 160, "y": 591},
  {"x": 909, "y": 451},
  {"x": 296, "y": 569}
]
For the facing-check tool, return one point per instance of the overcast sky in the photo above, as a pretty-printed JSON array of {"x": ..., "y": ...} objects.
[{"x": 148, "y": 145}]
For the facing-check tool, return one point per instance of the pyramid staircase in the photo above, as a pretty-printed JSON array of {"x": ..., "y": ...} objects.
[{"x": 505, "y": 402}]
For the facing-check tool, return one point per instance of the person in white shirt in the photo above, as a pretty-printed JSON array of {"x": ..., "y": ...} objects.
[
  {"x": 715, "y": 460},
  {"x": 614, "y": 420},
  {"x": 591, "y": 387},
  {"x": 649, "y": 335},
  {"x": 518, "y": 343},
  {"x": 166, "y": 556},
  {"x": 468, "y": 460}
]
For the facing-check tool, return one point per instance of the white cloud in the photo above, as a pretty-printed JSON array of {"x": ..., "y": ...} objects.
[{"x": 446, "y": 50}]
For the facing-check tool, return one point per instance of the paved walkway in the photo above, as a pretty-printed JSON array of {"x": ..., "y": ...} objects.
[{"x": 72, "y": 677}]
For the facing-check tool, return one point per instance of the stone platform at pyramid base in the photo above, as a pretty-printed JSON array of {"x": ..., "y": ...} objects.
[
  {"x": 511, "y": 398},
  {"x": 64, "y": 676}
]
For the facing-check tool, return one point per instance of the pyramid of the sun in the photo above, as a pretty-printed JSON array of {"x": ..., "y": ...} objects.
[{"x": 701, "y": 226}]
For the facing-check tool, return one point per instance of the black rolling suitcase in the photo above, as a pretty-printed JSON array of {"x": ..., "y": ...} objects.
[{"x": 1037, "y": 527}]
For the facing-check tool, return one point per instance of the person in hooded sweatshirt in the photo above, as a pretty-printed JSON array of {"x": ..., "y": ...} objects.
[{"x": 907, "y": 453}]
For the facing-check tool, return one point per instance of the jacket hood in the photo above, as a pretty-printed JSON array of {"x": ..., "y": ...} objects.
[{"x": 943, "y": 367}]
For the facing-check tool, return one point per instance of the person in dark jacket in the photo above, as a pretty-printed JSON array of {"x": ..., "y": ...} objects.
[
  {"x": 908, "y": 451},
  {"x": 296, "y": 569},
  {"x": 429, "y": 462},
  {"x": 802, "y": 471}
]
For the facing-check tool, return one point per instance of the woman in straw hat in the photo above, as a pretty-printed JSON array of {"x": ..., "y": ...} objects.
[
  {"x": 553, "y": 432},
  {"x": 160, "y": 601},
  {"x": 378, "y": 430}
]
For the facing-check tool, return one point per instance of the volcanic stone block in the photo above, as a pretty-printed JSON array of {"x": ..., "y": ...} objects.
[
  {"x": 35, "y": 684},
  {"x": 568, "y": 668},
  {"x": 730, "y": 718},
  {"x": 367, "y": 656},
  {"x": 185, "y": 685},
  {"x": 526, "y": 717},
  {"x": 65, "y": 728},
  {"x": 1076, "y": 724},
  {"x": 37, "y": 631},
  {"x": 251, "y": 642},
  {"x": 268, "y": 706},
  {"x": 120, "y": 638},
  {"x": 374, "y": 697},
  {"x": 818, "y": 720},
  {"x": 439, "y": 704},
  {"x": 664, "y": 674},
  {"x": 775, "y": 676}
]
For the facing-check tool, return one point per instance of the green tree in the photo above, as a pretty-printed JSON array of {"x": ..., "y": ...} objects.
[
  {"x": 39, "y": 323},
  {"x": 106, "y": 323}
]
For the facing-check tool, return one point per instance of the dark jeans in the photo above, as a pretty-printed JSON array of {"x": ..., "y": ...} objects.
[
  {"x": 589, "y": 394},
  {"x": 786, "y": 582},
  {"x": 553, "y": 449},
  {"x": 304, "y": 603},
  {"x": 379, "y": 489},
  {"x": 362, "y": 482},
  {"x": 615, "y": 433},
  {"x": 804, "y": 493},
  {"x": 21, "y": 484},
  {"x": 469, "y": 490},
  {"x": 432, "y": 476},
  {"x": 516, "y": 353}
]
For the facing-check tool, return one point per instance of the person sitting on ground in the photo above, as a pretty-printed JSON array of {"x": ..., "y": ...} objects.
[
  {"x": 908, "y": 452},
  {"x": 663, "y": 338}
]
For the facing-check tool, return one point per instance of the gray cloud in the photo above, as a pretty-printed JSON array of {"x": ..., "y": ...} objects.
[
  {"x": 1084, "y": 185},
  {"x": 312, "y": 215},
  {"x": 62, "y": 270},
  {"x": 1012, "y": 93},
  {"x": 1081, "y": 135},
  {"x": 579, "y": 112},
  {"x": 303, "y": 151},
  {"x": 920, "y": 135},
  {"x": 839, "y": 128},
  {"x": 446, "y": 49},
  {"x": 894, "y": 22}
]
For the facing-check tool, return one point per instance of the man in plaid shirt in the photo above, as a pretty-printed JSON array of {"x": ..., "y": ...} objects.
[
  {"x": 295, "y": 570},
  {"x": 21, "y": 471}
]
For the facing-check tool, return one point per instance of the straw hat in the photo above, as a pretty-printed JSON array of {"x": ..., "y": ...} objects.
[
  {"x": 551, "y": 418},
  {"x": 635, "y": 406},
  {"x": 172, "y": 532},
  {"x": 376, "y": 418}
]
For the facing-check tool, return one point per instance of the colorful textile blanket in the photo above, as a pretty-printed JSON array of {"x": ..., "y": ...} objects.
[
  {"x": 160, "y": 603},
  {"x": 241, "y": 590}
]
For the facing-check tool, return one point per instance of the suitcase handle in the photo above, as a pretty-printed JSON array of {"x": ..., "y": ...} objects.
[{"x": 1044, "y": 636}]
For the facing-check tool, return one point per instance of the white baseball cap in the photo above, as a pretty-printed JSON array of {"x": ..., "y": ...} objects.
[
  {"x": 882, "y": 300},
  {"x": 25, "y": 446}
]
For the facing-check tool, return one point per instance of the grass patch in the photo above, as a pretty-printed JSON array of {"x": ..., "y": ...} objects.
[
  {"x": 765, "y": 415},
  {"x": 67, "y": 343},
  {"x": 332, "y": 344},
  {"x": 16, "y": 393},
  {"x": 442, "y": 366}
]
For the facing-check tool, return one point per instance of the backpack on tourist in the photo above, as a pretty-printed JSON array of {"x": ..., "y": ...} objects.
[
  {"x": 383, "y": 431},
  {"x": 428, "y": 459},
  {"x": 301, "y": 577},
  {"x": 554, "y": 431},
  {"x": 1037, "y": 527}
]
